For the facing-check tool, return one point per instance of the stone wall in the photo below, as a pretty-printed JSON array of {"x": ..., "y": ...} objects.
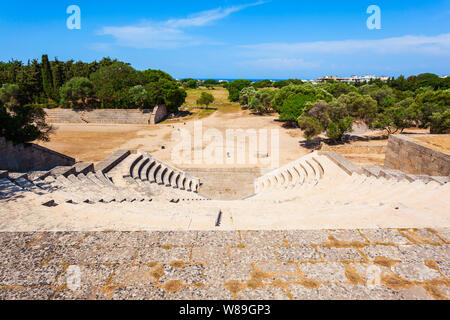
[
  {"x": 107, "y": 116},
  {"x": 25, "y": 157},
  {"x": 226, "y": 183},
  {"x": 408, "y": 155},
  {"x": 159, "y": 114}
]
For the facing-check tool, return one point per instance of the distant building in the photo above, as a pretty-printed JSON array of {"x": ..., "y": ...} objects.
[{"x": 351, "y": 79}]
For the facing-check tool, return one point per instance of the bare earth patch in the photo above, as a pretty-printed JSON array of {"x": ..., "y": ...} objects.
[{"x": 440, "y": 143}]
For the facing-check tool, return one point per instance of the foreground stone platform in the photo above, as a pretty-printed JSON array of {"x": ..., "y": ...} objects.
[{"x": 322, "y": 264}]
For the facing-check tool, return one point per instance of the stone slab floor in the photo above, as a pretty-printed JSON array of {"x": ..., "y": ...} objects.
[{"x": 323, "y": 264}]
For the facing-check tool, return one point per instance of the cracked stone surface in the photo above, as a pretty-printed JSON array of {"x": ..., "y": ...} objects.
[{"x": 380, "y": 264}]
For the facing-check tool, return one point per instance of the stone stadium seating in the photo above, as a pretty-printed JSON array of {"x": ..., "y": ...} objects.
[
  {"x": 321, "y": 176},
  {"x": 146, "y": 179},
  {"x": 322, "y": 189}
]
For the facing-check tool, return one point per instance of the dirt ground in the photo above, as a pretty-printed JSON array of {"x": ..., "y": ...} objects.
[{"x": 94, "y": 142}]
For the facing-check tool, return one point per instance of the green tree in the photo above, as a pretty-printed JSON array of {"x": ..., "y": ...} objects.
[
  {"x": 338, "y": 88},
  {"x": 22, "y": 124},
  {"x": 337, "y": 130},
  {"x": 311, "y": 126},
  {"x": 321, "y": 116},
  {"x": 261, "y": 101},
  {"x": 440, "y": 122},
  {"x": 139, "y": 96},
  {"x": 189, "y": 83},
  {"x": 305, "y": 89},
  {"x": 246, "y": 94},
  {"x": 284, "y": 83},
  {"x": 47, "y": 77},
  {"x": 263, "y": 84},
  {"x": 235, "y": 87},
  {"x": 11, "y": 95},
  {"x": 433, "y": 107},
  {"x": 112, "y": 83},
  {"x": 359, "y": 106},
  {"x": 294, "y": 106},
  {"x": 205, "y": 99},
  {"x": 77, "y": 92},
  {"x": 166, "y": 92},
  {"x": 57, "y": 74},
  {"x": 210, "y": 82}
]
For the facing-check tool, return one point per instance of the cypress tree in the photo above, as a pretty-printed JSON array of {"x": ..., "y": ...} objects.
[
  {"x": 47, "y": 78},
  {"x": 58, "y": 74}
]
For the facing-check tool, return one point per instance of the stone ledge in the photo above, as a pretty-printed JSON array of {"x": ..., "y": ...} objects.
[
  {"x": 112, "y": 161},
  {"x": 343, "y": 163}
]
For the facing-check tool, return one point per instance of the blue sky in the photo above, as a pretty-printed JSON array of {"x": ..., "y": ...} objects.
[{"x": 237, "y": 38}]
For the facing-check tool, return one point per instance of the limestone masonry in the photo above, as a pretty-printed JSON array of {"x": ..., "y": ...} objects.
[
  {"x": 107, "y": 116},
  {"x": 407, "y": 154},
  {"x": 320, "y": 227}
]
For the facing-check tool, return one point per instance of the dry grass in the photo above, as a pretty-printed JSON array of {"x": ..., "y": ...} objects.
[
  {"x": 221, "y": 103},
  {"x": 441, "y": 143}
]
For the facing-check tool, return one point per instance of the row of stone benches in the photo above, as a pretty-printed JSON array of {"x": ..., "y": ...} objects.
[
  {"x": 147, "y": 168},
  {"x": 307, "y": 169}
]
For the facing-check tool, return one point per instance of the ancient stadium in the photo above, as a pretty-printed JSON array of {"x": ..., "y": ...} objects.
[{"x": 136, "y": 226}]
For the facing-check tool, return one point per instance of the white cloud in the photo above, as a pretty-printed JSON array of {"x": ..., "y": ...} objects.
[
  {"x": 206, "y": 17},
  {"x": 170, "y": 33},
  {"x": 437, "y": 45}
]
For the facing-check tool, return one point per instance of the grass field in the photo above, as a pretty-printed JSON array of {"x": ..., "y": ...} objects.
[{"x": 221, "y": 103}]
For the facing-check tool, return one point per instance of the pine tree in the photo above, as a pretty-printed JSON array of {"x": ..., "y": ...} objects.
[{"x": 47, "y": 78}]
